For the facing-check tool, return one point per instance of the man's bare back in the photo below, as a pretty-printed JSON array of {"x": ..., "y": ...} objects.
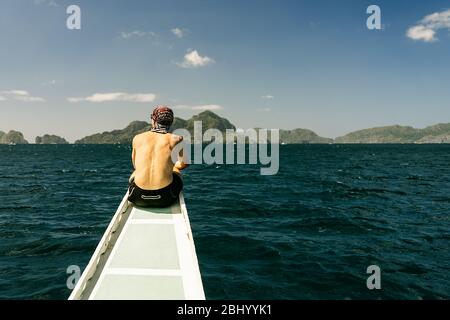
[
  {"x": 156, "y": 180},
  {"x": 152, "y": 159}
]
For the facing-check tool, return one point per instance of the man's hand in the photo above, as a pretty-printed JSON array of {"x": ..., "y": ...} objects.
[{"x": 180, "y": 165}]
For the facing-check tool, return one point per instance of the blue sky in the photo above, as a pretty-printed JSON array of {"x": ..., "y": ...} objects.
[{"x": 277, "y": 64}]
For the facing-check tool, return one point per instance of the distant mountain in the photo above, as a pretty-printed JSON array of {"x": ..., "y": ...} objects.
[
  {"x": 301, "y": 136},
  {"x": 50, "y": 139},
  {"x": 125, "y": 136},
  {"x": 439, "y": 133},
  {"x": 12, "y": 137},
  {"x": 209, "y": 120}
]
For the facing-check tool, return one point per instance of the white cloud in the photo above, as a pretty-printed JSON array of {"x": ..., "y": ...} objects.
[
  {"x": 426, "y": 29},
  {"x": 268, "y": 97},
  {"x": 30, "y": 99},
  {"x": 179, "y": 33},
  {"x": 192, "y": 59},
  {"x": 17, "y": 92},
  {"x": 19, "y": 95},
  {"x": 137, "y": 34},
  {"x": 199, "y": 107},
  {"x": 49, "y": 83},
  {"x": 421, "y": 33},
  {"x": 264, "y": 109},
  {"x": 115, "y": 96},
  {"x": 51, "y": 3}
]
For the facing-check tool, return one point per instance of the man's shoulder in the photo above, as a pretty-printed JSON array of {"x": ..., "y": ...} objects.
[
  {"x": 175, "y": 138},
  {"x": 139, "y": 137},
  {"x": 146, "y": 137},
  {"x": 173, "y": 135}
]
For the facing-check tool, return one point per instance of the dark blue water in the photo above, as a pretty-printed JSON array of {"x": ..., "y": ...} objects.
[{"x": 308, "y": 232}]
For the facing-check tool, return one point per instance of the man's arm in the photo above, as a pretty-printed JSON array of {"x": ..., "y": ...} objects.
[
  {"x": 180, "y": 164},
  {"x": 133, "y": 153},
  {"x": 133, "y": 158}
]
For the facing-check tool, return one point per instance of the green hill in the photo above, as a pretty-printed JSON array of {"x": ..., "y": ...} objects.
[
  {"x": 302, "y": 136},
  {"x": 50, "y": 139},
  {"x": 439, "y": 133},
  {"x": 209, "y": 120},
  {"x": 125, "y": 136}
]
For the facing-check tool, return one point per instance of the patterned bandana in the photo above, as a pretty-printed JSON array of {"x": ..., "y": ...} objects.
[{"x": 163, "y": 118}]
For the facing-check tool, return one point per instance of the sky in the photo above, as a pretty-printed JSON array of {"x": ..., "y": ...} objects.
[{"x": 259, "y": 63}]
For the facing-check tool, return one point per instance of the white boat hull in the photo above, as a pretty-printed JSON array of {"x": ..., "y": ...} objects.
[{"x": 145, "y": 254}]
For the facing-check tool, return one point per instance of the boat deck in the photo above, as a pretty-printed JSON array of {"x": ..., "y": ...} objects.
[{"x": 144, "y": 254}]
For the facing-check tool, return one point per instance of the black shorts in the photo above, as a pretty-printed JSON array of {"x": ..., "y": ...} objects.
[{"x": 156, "y": 198}]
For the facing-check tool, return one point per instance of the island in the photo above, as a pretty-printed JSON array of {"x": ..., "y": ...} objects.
[
  {"x": 50, "y": 139},
  {"x": 303, "y": 136},
  {"x": 439, "y": 133},
  {"x": 12, "y": 137},
  {"x": 125, "y": 136},
  {"x": 209, "y": 120}
]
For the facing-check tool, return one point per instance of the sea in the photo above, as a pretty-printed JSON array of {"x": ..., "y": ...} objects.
[{"x": 309, "y": 232}]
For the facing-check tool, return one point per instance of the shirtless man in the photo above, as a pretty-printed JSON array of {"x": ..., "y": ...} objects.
[{"x": 156, "y": 181}]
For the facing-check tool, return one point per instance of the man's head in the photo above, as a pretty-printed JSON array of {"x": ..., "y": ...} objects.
[{"x": 162, "y": 118}]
